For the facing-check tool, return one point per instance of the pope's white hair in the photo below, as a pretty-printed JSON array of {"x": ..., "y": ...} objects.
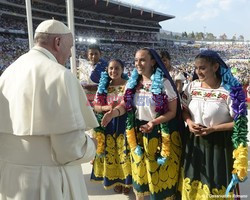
[{"x": 42, "y": 38}]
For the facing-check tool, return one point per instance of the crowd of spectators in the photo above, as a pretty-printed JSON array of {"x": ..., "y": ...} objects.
[
  {"x": 91, "y": 18},
  {"x": 11, "y": 47},
  {"x": 85, "y": 14},
  {"x": 235, "y": 51},
  {"x": 7, "y": 24},
  {"x": 241, "y": 70}
]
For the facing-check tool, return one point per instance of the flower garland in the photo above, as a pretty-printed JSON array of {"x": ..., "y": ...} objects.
[
  {"x": 239, "y": 136},
  {"x": 160, "y": 100},
  {"x": 101, "y": 99}
]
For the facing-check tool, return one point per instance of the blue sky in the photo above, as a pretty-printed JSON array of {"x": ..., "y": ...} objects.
[{"x": 231, "y": 17}]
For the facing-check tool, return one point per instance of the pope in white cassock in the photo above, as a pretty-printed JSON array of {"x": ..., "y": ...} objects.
[{"x": 43, "y": 117}]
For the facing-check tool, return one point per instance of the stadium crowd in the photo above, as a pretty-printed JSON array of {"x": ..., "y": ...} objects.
[
  {"x": 182, "y": 56},
  {"x": 89, "y": 17}
]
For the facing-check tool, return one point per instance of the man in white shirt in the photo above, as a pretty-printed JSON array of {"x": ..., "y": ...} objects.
[{"x": 44, "y": 115}]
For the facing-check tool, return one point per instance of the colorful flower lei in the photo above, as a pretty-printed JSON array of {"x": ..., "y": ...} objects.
[
  {"x": 239, "y": 136},
  {"x": 101, "y": 99},
  {"x": 161, "y": 107}
]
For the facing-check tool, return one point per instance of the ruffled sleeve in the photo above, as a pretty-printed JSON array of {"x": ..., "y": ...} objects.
[{"x": 168, "y": 89}]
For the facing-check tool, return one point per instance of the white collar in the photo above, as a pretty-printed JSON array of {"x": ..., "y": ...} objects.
[{"x": 45, "y": 52}]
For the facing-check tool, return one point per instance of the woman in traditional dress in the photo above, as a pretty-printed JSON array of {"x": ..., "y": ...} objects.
[
  {"x": 112, "y": 164},
  {"x": 215, "y": 111},
  {"x": 151, "y": 103}
]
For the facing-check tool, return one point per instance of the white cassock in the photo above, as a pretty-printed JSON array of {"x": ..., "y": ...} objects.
[{"x": 43, "y": 117}]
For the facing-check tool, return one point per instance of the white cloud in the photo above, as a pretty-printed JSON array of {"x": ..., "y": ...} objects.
[
  {"x": 212, "y": 13},
  {"x": 202, "y": 15},
  {"x": 205, "y": 3},
  {"x": 225, "y": 4},
  {"x": 191, "y": 16},
  {"x": 208, "y": 9}
]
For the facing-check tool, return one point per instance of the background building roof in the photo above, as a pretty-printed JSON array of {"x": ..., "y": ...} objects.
[{"x": 117, "y": 8}]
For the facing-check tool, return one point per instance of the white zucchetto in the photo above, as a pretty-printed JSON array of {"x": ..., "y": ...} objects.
[{"x": 52, "y": 26}]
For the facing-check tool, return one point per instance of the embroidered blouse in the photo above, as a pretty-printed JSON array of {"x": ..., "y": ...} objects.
[
  {"x": 115, "y": 94},
  {"x": 144, "y": 102},
  {"x": 208, "y": 107}
]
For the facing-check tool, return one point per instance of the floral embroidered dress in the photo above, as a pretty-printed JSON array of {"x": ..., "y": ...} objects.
[
  {"x": 114, "y": 166},
  {"x": 159, "y": 181},
  {"x": 208, "y": 159}
]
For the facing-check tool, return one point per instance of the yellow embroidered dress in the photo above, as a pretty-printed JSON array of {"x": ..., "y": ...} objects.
[
  {"x": 158, "y": 181},
  {"x": 114, "y": 167}
]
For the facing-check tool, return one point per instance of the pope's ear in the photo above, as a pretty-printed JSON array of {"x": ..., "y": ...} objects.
[{"x": 57, "y": 43}]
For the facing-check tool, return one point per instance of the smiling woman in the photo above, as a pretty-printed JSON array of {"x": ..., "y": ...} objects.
[
  {"x": 111, "y": 166},
  {"x": 152, "y": 128},
  {"x": 215, "y": 112}
]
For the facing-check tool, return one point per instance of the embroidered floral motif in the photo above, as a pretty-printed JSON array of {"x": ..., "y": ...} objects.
[
  {"x": 158, "y": 178},
  {"x": 196, "y": 93},
  {"x": 120, "y": 89},
  {"x": 196, "y": 190},
  {"x": 120, "y": 162},
  {"x": 210, "y": 94},
  {"x": 223, "y": 96},
  {"x": 116, "y": 89},
  {"x": 111, "y": 89},
  {"x": 144, "y": 87}
]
